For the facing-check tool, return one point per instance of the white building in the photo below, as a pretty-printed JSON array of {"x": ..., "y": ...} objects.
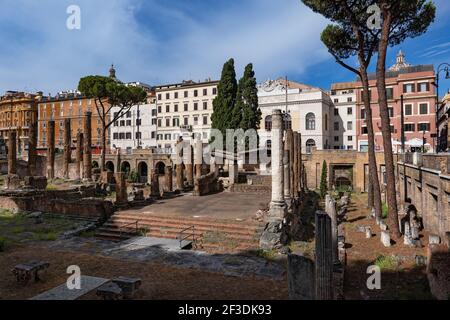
[
  {"x": 307, "y": 110},
  {"x": 344, "y": 116},
  {"x": 184, "y": 109}
]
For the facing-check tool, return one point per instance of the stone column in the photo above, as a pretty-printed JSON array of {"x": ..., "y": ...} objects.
[
  {"x": 32, "y": 145},
  {"x": 51, "y": 150},
  {"x": 79, "y": 155},
  {"x": 87, "y": 154},
  {"x": 324, "y": 257},
  {"x": 121, "y": 188},
  {"x": 155, "y": 191},
  {"x": 189, "y": 166},
  {"x": 198, "y": 158},
  {"x": 300, "y": 186},
  {"x": 67, "y": 147},
  {"x": 300, "y": 276},
  {"x": 331, "y": 211},
  {"x": 169, "y": 178},
  {"x": 277, "y": 205},
  {"x": 12, "y": 152},
  {"x": 118, "y": 160},
  {"x": 288, "y": 154},
  {"x": 233, "y": 172}
]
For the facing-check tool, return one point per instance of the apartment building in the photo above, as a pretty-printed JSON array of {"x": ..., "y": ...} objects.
[
  {"x": 184, "y": 109},
  {"x": 343, "y": 117}
]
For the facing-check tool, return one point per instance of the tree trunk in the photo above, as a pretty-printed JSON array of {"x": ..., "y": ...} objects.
[
  {"x": 103, "y": 147},
  {"x": 374, "y": 182},
  {"x": 385, "y": 126}
]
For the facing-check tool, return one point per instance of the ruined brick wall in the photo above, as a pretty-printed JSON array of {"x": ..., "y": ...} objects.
[{"x": 208, "y": 183}]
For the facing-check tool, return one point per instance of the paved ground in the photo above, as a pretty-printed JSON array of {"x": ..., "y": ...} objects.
[{"x": 225, "y": 205}]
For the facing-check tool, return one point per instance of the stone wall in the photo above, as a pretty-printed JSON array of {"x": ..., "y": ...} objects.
[
  {"x": 23, "y": 165},
  {"x": 428, "y": 189},
  {"x": 206, "y": 184}
]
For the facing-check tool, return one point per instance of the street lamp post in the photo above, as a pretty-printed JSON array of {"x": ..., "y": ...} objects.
[{"x": 442, "y": 67}]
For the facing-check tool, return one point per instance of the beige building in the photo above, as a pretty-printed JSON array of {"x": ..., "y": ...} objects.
[{"x": 184, "y": 109}]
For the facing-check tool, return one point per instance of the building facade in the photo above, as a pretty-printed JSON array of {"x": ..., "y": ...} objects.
[
  {"x": 343, "y": 121},
  {"x": 415, "y": 85},
  {"x": 443, "y": 121},
  {"x": 305, "y": 109},
  {"x": 17, "y": 111},
  {"x": 183, "y": 110}
]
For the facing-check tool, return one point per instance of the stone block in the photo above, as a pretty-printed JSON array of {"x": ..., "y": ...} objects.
[
  {"x": 37, "y": 183},
  {"x": 300, "y": 278},
  {"x": 368, "y": 233},
  {"x": 12, "y": 182},
  {"x": 385, "y": 238},
  {"x": 434, "y": 239}
]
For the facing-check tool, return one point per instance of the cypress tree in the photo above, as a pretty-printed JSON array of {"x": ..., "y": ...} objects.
[
  {"x": 247, "y": 100},
  {"x": 225, "y": 101},
  {"x": 323, "y": 180}
]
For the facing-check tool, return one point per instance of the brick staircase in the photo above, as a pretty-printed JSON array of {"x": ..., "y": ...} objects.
[{"x": 213, "y": 235}]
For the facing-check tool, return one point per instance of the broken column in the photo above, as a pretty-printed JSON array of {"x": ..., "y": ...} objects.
[
  {"x": 295, "y": 174},
  {"x": 87, "y": 154},
  {"x": 277, "y": 204},
  {"x": 233, "y": 171},
  {"x": 67, "y": 147},
  {"x": 300, "y": 276},
  {"x": 198, "y": 161},
  {"x": 121, "y": 188},
  {"x": 287, "y": 168},
  {"x": 168, "y": 179},
  {"x": 179, "y": 165},
  {"x": 188, "y": 160},
  {"x": 51, "y": 150},
  {"x": 12, "y": 152},
  {"x": 155, "y": 191},
  {"x": 324, "y": 257},
  {"x": 300, "y": 182},
  {"x": 79, "y": 156},
  {"x": 330, "y": 204},
  {"x": 32, "y": 145}
]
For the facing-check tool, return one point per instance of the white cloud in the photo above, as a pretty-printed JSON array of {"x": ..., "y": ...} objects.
[{"x": 42, "y": 54}]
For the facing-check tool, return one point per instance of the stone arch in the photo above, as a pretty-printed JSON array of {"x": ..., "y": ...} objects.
[
  {"x": 160, "y": 168},
  {"x": 95, "y": 164},
  {"x": 310, "y": 143},
  {"x": 142, "y": 170},
  {"x": 125, "y": 167},
  {"x": 109, "y": 166}
]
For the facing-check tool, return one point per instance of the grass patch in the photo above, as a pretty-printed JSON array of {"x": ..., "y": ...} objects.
[
  {"x": 386, "y": 263},
  {"x": 87, "y": 234},
  {"x": 266, "y": 254},
  {"x": 384, "y": 210},
  {"x": 48, "y": 236},
  {"x": 51, "y": 187},
  {"x": 2, "y": 244},
  {"x": 17, "y": 230}
]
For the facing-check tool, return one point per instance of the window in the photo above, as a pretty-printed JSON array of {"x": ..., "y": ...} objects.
[
  {"x": 363, "y": 113},
  {"x": 153, "y": 112},
  {"x": 128, "y": 122},
  {"x": 122, "y": 123},
  {"x": 159, "y": 122},
  {"x": 186, "y": 107},
  {"x": 423, "y": 127},
  {"x": 153, "y": 121},
  {"x": 205, "y": 92},
  {"x": 195, "y": 120},
  {"x": 336, "y": 100},
  {"x": 390, "y": 93},
  {"x": 186, "y": 121},
  {"x": 205, "y": 105},
  {"x": 309, "y": 145},
  {"x": 129, "y": 114},
  {"x": 159, "y": 137},
  {"x": 350, "y": 138},
  {"x": 423, "y": 108},
  {"x": 349, "y": 147},
  {"x": 409, "y": 127},
  {"x": 138, "y": 135},
  {"x": 116, "y": 123},
  {"x": 128, "y": 136},
  {"x": 159, "y": 109},
  {"x": 121, "y": 135},
  {"x": 391, "y": 112},
  {"x": 408, "y": 110},
  {"x": 310, "y": 121},
  {"x": 349, "y": 125},
  {"x": 186, "y": 93},
  {"x": 268, "y": 123},
  {"x": 423, "y": 87},
  {"x": 336, "y": 126},
  {"x": 176, "y": 95},
  {"x": 167, "y": 108},
  {"x": 159, "y": 96},
  {"x": 167, "y": 96},
  {"x": 138, "y": 122},
  {"x": 214, "y": 91},
  {"x": 349, "y": 99},
  {"x": 175, "y": 108},
  {"x": 364, "y": 130},
  {"x": 336, "y": 138},
  {"x": 205, "y": 120},
  {"x": 167, "y": 122},
  {"x": 336, "y": 111},
  {"x": 349, "y": 111},
  {"x": 176, "y": 122},
  {"x": 115, "y": 135},
  {"x": 195, "y": 106},
  {"x": 167, "y": 136},
  {"x": 408, "y": 88},
  {"x": 195, "y": 93},
  {"x": 152, "y": 135}
]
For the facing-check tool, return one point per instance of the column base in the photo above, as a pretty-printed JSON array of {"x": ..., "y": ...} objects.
[{"x": 277, "y": 211}]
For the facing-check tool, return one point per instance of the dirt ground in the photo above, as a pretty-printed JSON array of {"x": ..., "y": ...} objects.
[
  {"x": 400, "y": 277},
  {"x": 159, "y": 282}
]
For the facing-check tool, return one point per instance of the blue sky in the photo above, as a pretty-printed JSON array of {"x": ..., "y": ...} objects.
[{"x": 162, "y": 41}]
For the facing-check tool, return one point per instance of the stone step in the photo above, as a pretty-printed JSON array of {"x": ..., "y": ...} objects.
[
  {"x": 116, "y": 223},
  {"x": 197, "y": 222}
]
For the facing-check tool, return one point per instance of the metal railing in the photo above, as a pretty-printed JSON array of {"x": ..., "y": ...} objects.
[
  {"x": 187, "y": 236},
  {"x": 124, "y": 228}
]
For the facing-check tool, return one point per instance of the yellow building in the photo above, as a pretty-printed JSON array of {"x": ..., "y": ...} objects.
[{"x": 17, "y": 111}]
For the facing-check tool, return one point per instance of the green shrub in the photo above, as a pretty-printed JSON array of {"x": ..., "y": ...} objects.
[
  {"x": 49, "y": 236},
  {"x": 2, "y": 244},
  {"x": 323, "y": 180},
  {"x": 387, "y": 262},
  {"x": 384, "y": 210}
]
